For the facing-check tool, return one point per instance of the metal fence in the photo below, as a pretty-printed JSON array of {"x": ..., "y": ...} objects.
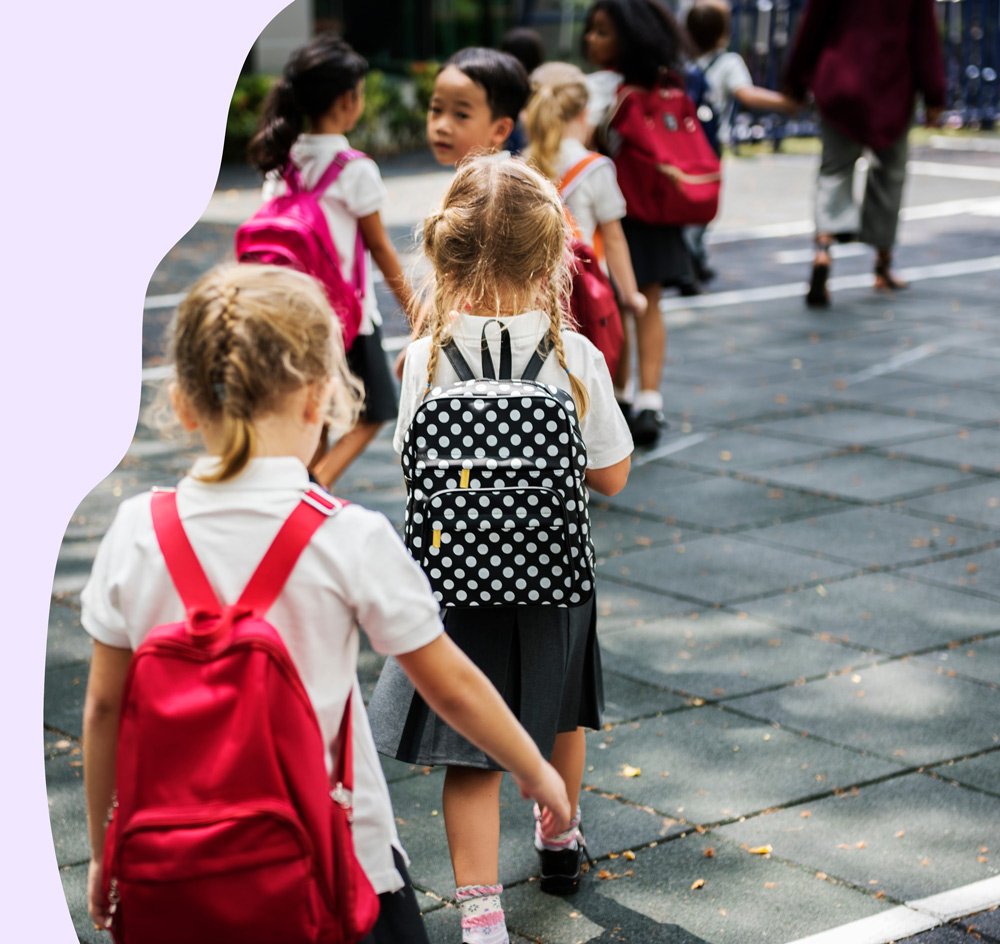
[{"x": 764, "y": 29}]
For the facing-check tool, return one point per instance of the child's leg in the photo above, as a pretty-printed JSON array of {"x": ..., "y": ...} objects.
[
  {"x": 651, "y": 345},
  {"x": 471, "y": 802},
  {"x": 345, "y": 450},
  {"x": 568, "y": 757}
]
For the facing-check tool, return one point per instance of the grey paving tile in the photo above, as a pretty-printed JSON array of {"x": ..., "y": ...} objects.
[
  {"x": 67, "y": 640},
  {"x": 610, "y": 826},
  {"x": 977, "y": 503},
  {"x": 65, "y": 687},
  {"x": 979, "y": 572},
  {"x": 726, "y": 401},
  {"x": 947, "y": 934},
  {"x": 720, "y": 569},
  {"x": 977, "y": 660},
  {"x": 986, "y": 923},
  {"x": 741, "y": 449},
  {"x": 910, "y": 837},
  {"x": 720, "y": 654},
  {"x": 982, "y": 772},
  {"x": 626, "y": 699},
  {"x": 743, "y": 899},
  {"x": 620, "y": 607},
  {"x": 615, "y": 531},
  {"x": 902, "y": 710},
  {"x": 849, "y": 426},
  {"x": 970, "y": 449},
  {"x": 923, "y": 399},
  {"x": 724, "y": 503},
  {"x": 67, "y": 807},
  {"x": 707, "y": 765},
  {"x": 865, "y": 477},
  {"x": 651, "y": 490},
  {"x": 872, "y": 536},
  {"x": 883, "y": 612},
  {"x": 957, "y": 366},
  {"x": 74, "y": 882}
]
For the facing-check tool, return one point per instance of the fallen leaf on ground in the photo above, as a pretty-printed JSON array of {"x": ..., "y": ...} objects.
[
  {"x": 761, "y": 850},
  {"x": 629, "y": 771},
  {"x": 697, "y": 883}
]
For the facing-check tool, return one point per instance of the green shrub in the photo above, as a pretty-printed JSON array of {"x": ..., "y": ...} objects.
[{"x": 393, "y": 120}]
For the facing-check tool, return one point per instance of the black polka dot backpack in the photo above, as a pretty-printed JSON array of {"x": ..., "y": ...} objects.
[{"x": 496, "y": 511}]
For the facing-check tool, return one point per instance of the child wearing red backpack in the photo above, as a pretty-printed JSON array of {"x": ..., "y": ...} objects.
[
  {"x": 318, "y": 100},
  {"x": 556, "y": 121},
  {"x": 636, "y": 43},
  {"x": 259, "y": 369}
]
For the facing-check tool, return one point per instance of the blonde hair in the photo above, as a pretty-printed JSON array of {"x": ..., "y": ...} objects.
[
  {"x": 500, "y": 238},
  {"x": 558, "y": 95},
  {"x": 245, "y": 337}
]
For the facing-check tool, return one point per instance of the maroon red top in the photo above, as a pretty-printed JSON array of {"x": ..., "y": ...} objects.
[{"x": 865, "y": 60}]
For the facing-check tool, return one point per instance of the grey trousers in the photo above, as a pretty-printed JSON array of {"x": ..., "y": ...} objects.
[{"x": 875, "y": 221}]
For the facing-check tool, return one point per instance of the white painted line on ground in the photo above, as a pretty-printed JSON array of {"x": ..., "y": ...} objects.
[
  {"x": 954, "y": 171},
  {"x": 961, "y": 901},
  {"x": 942, "y": 142},
  {"x": 892, "y": 925},
  {"x": 792, "y": 289},
  {"x": 915, "y": 916},
  {"x": 678, "y": 445},
  {"x": 805, "y": 256},
  {"x": 893, "y": 364}
]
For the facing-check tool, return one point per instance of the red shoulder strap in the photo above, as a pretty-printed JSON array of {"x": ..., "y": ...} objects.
[
  {"x": 189, "y": 579},
  {"x": 268, "y": 579}
]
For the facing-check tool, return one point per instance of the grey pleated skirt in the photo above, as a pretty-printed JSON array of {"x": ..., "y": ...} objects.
[{"x": 544, "y": 661}]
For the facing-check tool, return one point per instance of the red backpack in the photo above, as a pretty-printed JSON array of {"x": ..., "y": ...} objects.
[
  {"x": 667, "y": 170},
  {"x": 592, "y": 302},
  {"x": 292, "y": 230},
  {"x": 224, "y": 829}
]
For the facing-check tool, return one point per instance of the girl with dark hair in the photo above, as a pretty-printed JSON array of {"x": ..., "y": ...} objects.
[
  {"x": 319, "y": 99},
  {"x": 639, "y": 43}
]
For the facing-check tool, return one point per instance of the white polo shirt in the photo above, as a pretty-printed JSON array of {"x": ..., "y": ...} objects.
[
  {"x": 358, "y": 191},
  {"x": 355, "y": 570},
  {"x": 593, "y": 197},
  {"x": 604, "y": 429}
]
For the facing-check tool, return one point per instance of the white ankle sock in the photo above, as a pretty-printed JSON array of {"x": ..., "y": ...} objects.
[
  {"x": 570, "y": 839},
  {"x": 648, "y": 400},
  {"x": 482, "y": 914}
]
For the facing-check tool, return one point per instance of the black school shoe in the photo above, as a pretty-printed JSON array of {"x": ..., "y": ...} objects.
[
  {"x": 560, "y": 868},
  {"x": 646, "y": 426}
]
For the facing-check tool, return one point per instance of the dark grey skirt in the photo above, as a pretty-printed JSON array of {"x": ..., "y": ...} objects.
[
  {"x": 544, "y": 661},
  {"x": 660, "y": 255}
]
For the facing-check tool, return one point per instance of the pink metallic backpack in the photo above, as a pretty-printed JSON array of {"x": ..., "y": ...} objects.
[
  {"x": 292, "y": 230},
  {"x": 226, "y": 827}
]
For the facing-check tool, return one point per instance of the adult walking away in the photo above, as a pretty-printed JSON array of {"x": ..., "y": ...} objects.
[{"x": 865, "y": 63}]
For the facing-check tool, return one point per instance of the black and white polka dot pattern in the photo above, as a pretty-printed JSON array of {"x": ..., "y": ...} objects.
[{"x": 496, "y": 500}]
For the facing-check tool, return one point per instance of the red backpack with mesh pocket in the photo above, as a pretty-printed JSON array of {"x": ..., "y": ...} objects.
[
  {"x": 292, "y": 230},
  {"x": 667, "y": 170},
  {"x": 224, "y": 827},
  {"x": 592, "y": 301}
]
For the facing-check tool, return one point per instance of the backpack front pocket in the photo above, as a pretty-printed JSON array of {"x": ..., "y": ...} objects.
[{"x": 502, "y": 547}]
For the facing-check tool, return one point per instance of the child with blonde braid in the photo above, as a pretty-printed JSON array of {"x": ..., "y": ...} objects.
[{"x": 497, "y": 248}]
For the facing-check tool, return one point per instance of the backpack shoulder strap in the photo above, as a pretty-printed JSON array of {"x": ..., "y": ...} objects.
[
  {"x": 537, "y": 359},
  {"x": 459, "y": 364},
  {"x": 340, "y": 160},
  {"x": 189, "y": 578},
  {"x": 577, "y": 171},
  {"x": 276, "y": 566}
]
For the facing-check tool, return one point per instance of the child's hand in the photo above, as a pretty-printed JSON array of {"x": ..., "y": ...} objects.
[
  {"x": 97, "y": 904},
  {"x": 636, "y": 303},
  {"x": 547, "y": 789}
]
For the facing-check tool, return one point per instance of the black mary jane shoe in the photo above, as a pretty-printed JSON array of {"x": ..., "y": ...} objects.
[{"x": 561, "y": 868}]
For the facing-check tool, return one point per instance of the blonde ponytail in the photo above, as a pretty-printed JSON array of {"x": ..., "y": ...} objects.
[{"x": 559, "y": 94}]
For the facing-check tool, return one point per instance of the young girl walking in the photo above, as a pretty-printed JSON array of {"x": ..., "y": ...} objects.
[
  {"x": 259, "y": 368},
  {"x": 497, "y": 249},
  {"x": 556, "y": 121},
  {"x": 308, "y": 113},
  {"x": 638, "y": 42}
]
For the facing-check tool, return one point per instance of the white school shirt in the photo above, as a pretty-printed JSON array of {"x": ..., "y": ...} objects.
[
  {"x": 358, "y": 191},
  {"x": 604, "y": 429},
  {"x": 355, "y": 570},
  {"x": 602, "y": 89},
  {"x": 594, "y": 197},
  {"x": 725, "y": 73}
]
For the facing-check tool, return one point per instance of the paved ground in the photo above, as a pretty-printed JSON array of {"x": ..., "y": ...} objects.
[{"x": 799, "y": 599}]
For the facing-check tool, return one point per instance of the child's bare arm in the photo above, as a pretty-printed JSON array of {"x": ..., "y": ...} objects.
[
  {"x": 620, "y": 266},
  {"x": 458, "y": 692},
  {"x": 101, "y": 710},
  {"x": 757, "y": 98},
  {"x": 611, "y": 479},
  {"x": 384, "y": 254}
]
